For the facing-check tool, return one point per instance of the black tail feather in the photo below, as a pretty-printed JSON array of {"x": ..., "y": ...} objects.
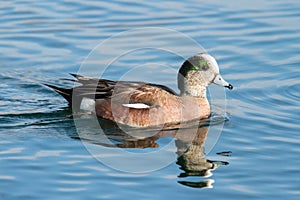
[
  {"x": 64, "y": 92},
  {"x": 75, "y": 75}
]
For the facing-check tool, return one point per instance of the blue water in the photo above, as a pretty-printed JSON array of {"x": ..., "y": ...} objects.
[{"x": 257, "y": 45}]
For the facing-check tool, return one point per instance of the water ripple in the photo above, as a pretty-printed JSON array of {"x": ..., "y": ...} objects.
[{"x": 256, "y": 44}]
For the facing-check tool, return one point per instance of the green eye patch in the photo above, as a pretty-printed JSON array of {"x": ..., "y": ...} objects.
[
  {"x": 203, "y": 65},
  {"x": 195, "y": 63}
]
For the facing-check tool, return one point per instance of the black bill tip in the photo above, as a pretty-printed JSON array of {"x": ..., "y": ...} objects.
[{"x": 230, "y": 87}]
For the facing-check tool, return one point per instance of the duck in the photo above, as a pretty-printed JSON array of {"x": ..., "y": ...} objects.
[{"x": 143, "y": 104}]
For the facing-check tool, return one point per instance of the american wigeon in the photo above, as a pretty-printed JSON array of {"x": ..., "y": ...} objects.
[{"x": 141, "y": 104}]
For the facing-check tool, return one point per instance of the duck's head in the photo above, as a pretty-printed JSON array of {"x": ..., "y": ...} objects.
[{"x": 197, "y": 72}]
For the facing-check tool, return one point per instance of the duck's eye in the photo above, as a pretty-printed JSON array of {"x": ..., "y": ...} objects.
[{"x": 205, "y": 67}]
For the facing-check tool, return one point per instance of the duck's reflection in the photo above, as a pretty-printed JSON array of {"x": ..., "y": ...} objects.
[
  {"x": 191, "y": 159},
  {"x": 190, "y": 148}
]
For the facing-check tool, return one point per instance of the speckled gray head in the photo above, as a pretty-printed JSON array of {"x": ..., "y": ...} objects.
[{"x": 197, "y": 72}]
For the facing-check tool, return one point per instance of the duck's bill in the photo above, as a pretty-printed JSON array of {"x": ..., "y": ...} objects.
[{"x": 220, "y": 81}]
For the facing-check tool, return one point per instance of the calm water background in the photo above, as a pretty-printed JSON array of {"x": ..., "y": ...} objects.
[{"x": 257, "y": 45}]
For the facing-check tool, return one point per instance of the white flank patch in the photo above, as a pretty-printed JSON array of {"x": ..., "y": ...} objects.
[
  {"x": 136, "y": 105},
  {"x": 87, "y": 104}
]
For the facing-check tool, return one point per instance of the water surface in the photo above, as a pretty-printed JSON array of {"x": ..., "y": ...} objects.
[{"x": 257, "y": 46}]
